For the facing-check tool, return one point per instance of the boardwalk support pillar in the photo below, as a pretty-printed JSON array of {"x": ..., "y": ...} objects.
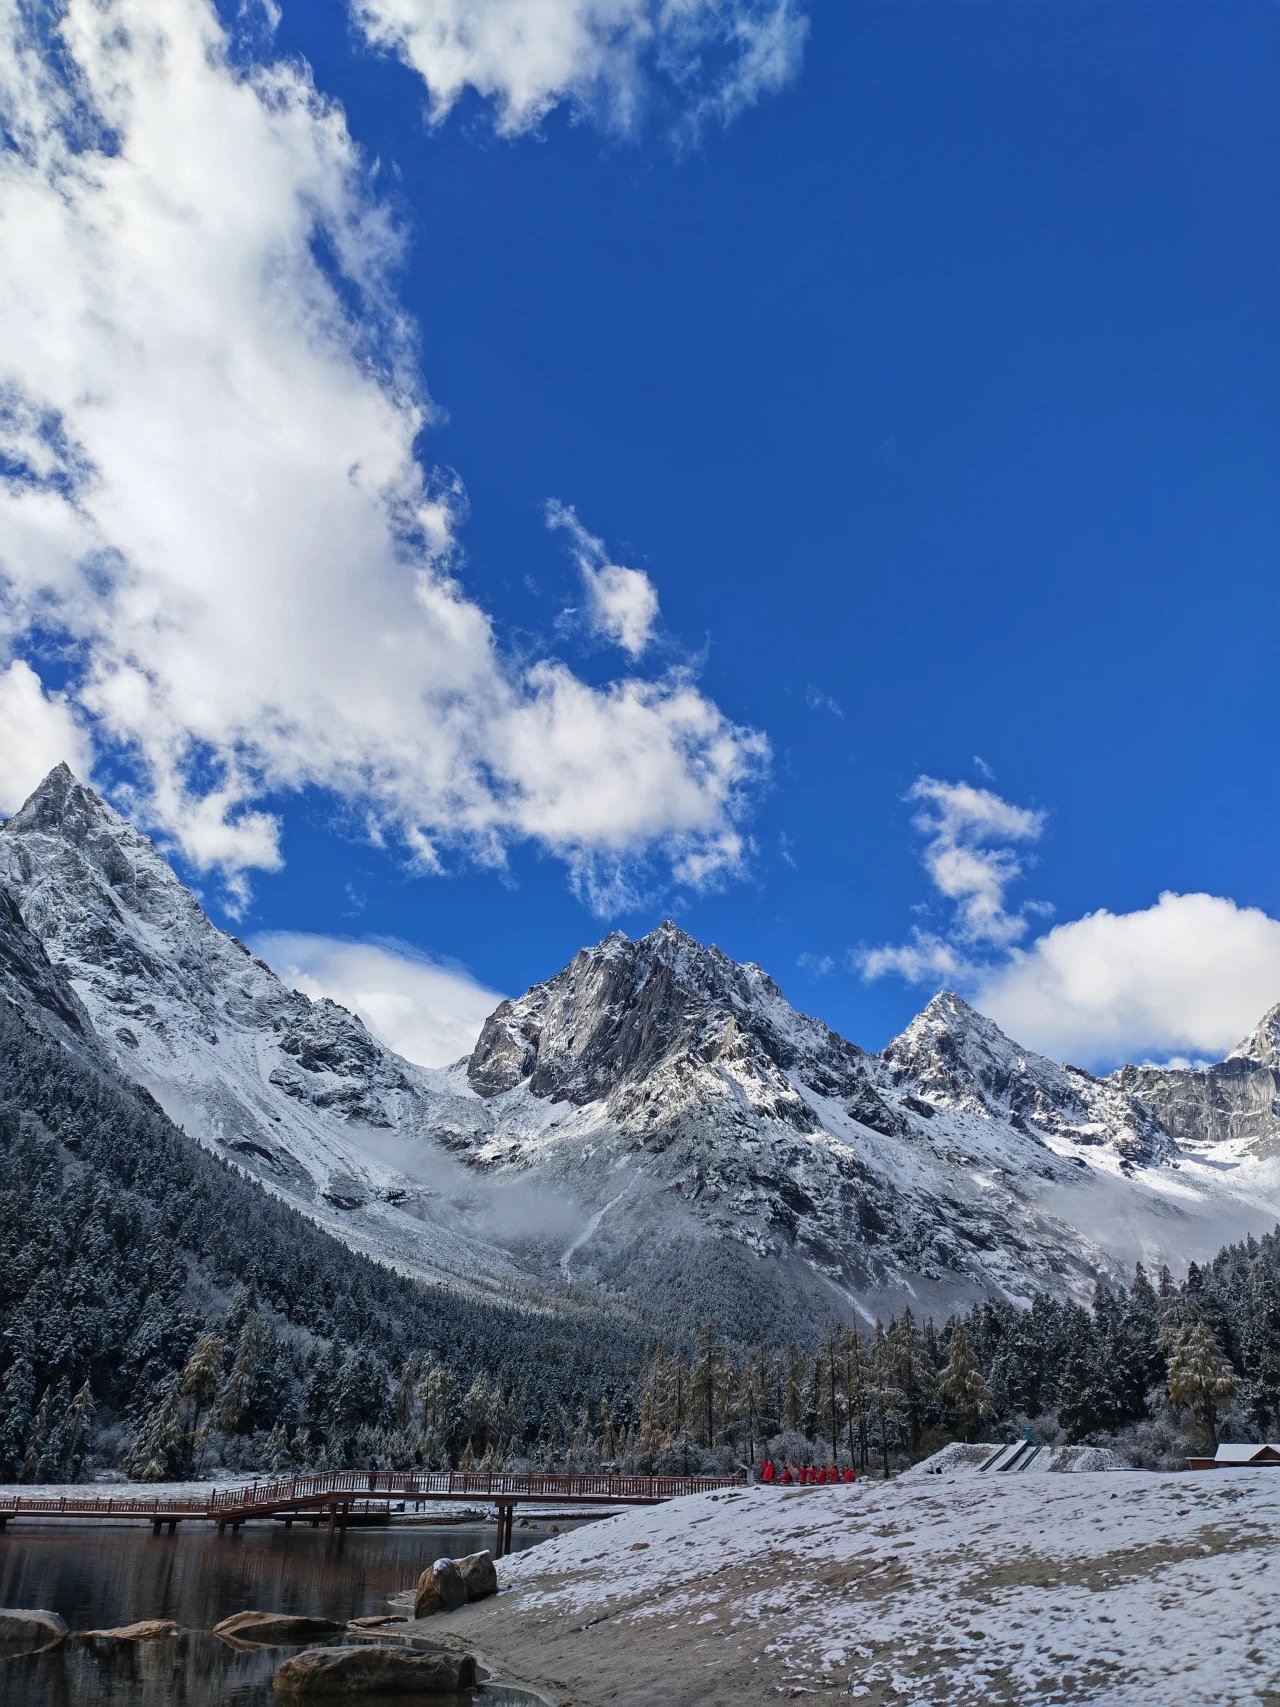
[{"x": 506, "y": 1512}]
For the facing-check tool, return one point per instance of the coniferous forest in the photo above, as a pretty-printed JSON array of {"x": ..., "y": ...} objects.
[{"x": 163, "y": 1316}]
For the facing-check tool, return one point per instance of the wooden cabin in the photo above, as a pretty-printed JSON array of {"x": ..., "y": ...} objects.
[{"x": 1244, "y": 1456}]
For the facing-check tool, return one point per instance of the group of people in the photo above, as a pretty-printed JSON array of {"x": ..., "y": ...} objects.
[{"x": 803, "y": 1473}]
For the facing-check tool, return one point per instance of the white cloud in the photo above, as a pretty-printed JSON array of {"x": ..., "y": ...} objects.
[
  {"x": 212, "y": 499},
  {"x": 1190, "y": 976},
  {"x": 622, "y": 604},
  {"x": 429, "y": 1013},
  {"x": 608, "y": 60},
  {"x": 818, "y": 700},
  {"x": 970, "y": 853},
  {"x": 37, "y": 731}
]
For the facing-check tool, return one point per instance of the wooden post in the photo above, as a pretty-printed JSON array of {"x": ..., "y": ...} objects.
[
  {"x": 502, "y": 1531},
  {"x": 333, "y": 1516},
  {"x": 155, "y": 1526},
  {"x": 511, "y": 1518}
]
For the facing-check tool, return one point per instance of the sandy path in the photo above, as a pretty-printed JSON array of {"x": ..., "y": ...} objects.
[{"x": 1122, "y": 1590}]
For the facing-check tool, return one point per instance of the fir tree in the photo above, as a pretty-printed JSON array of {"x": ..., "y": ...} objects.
[
  {"x": 962, "y": 1386},
  {"x": 1200, "y": 1378}
]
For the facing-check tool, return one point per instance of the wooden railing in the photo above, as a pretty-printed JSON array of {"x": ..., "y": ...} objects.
[{"x": 357, "y": 1487}]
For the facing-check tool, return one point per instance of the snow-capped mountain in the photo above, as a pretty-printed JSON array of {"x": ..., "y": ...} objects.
[
  {"x": 655, "y": 1124},
  {"x": 293, "y": 1091}
]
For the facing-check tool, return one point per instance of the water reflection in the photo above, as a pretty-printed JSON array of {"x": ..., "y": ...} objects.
[{"x": 105, "y": 1576}]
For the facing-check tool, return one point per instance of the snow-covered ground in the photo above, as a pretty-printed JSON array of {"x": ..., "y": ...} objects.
[{"x": 1121, "y": 1590}]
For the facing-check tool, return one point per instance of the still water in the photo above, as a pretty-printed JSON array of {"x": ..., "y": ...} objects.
[{"x": 106, "y": 1575}]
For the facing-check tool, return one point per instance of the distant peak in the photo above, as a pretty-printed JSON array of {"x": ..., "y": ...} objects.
[
  {"x": 59, "y": 798},
  {"x": 1262, "y": 1046}
]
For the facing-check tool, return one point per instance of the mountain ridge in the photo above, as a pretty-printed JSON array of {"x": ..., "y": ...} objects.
[{"x": 654, "y": 1124}]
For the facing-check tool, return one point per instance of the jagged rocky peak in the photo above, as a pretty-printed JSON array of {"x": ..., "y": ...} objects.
[
  {"x": 622, "y": 1008},
  {"x": 63, "y": 838},
  {"x": 957, "y": 1057},
  {"x": 1262, "y": 1046}
]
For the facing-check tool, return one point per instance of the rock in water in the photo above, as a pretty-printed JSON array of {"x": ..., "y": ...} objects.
[
  {"x": 23, "y": 1629},
  {"x": 145, "y": 1630},
  {"x": 479, "y": 1575},
  {"x": 375, "y": 1620},
  {"x": 374, "y": 1671},
  {"x": 441, "y": 1588},
  {"x": 275, "y": 1629}
]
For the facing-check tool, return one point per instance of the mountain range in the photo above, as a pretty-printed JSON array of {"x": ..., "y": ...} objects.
[{"x": 655, "y": 1126}]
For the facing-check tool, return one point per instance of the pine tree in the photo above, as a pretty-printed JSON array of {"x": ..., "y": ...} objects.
[
  {"x": 962, "y": 1386},
  {"x": 854, "y": 1370},
  {"x": 913, "y": 1372},
  {"x": 235, "y": 1408},
  {"x": 704, "y": 1383},
  {"x": 884, "y": 1394},
  {"x": 1200, "y": 1378},
  {"x": 793, "y": 1399},
  {"x": 160, "y": 1452},
  {"x": 201, "y": 1383},
  {"x": 1083, "y": 1402}
]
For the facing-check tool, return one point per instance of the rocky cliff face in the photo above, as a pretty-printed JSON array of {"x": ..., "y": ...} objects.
[{"x": 655, "y": 1123}]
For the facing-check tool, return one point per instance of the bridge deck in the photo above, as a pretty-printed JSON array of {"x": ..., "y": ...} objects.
[{"x": 342, "y": 1493}]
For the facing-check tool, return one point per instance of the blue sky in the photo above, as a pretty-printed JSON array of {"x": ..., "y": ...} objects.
[{"x": 929, "y": 379}]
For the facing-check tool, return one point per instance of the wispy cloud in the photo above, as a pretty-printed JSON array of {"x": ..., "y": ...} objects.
[
  {"x": 974, "y": 849},
  {"x": 819, "y": 965},
  {"x": 614, "y": 62},
  {"x": 622, "y": 604},
  {"x": 818, "y": 700},
  {"x": 975, "y": 846}
]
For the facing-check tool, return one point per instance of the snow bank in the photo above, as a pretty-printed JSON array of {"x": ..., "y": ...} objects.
[{"x": 1116, "y": 1590}]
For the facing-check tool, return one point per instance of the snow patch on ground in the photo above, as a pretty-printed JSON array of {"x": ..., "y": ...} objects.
[{"x": 1121, "y": 1590}]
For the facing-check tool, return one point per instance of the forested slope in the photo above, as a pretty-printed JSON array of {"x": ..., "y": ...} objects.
[{"x": 123, "y": 1244}]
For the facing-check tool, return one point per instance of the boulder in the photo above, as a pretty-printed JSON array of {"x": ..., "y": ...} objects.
[
  {"x": 479, "y": 1574},
  {"x": 375, "y": 1620},
  {"x": 22, "y": 1629},
  {"x": 440, "y": 1589},
  {"x": 145, "y": 1630},
  {"x": 374, "y": 1671},
  {"x": 275, "y": 1629}
]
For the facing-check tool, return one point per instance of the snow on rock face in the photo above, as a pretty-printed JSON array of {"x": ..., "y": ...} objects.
[
  {"x": 286, "y": 1088},
  {"x": 953, "y": 1057}
]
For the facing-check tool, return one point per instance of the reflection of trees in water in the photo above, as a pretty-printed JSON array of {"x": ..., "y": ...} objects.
[
  {"x": 189, "y": 1670},
  {"x": 107, "y": 1577}
]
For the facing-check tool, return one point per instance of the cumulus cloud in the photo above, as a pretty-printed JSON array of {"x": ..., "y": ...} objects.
[
  {"x": 622, "y": 604},
  {"x": 427, "y": 1012},
  {"x": 209, "y": 401},
  {"x": 1189, "y": 976},
  {"x": 37, "y": 731},
  {"x": 607, "y": 60},
  {"x": 971, "y": 853}
]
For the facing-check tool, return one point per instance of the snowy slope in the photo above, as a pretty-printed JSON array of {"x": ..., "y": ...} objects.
[
  {"x": 655, "y": 1123},
  {"x": 1116, "y": 1590},
  {"x": 294, "y": 1092}
]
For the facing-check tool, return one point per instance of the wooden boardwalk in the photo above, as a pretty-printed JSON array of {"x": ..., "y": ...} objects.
[{"x": 345, "y": 1495}]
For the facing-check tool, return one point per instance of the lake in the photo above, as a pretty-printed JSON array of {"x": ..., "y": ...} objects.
[{"x": 105, "y": 1574}]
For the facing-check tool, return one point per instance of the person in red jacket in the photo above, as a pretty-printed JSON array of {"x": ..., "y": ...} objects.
[
  {"x": 786, "y": 1475},
  {"x": 766, "y": 1475},
  {"x": 849, "y": 1475}
]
